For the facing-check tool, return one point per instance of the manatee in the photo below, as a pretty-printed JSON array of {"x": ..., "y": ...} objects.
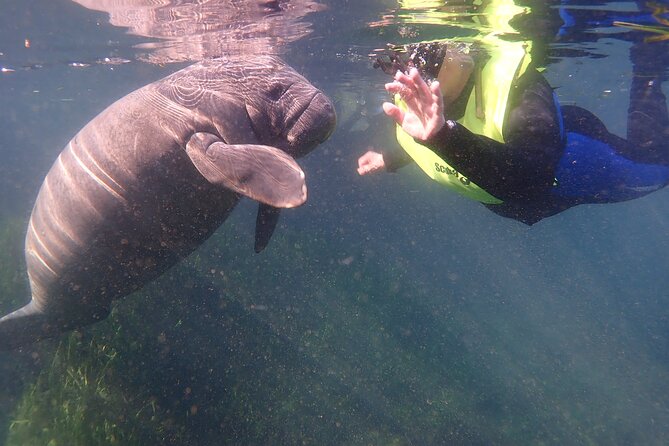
[{"x": 150, "y": 178}]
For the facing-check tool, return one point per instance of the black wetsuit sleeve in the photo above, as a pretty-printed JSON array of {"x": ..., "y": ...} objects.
[
  {"x": 475, "y": 156},
  {"x": 520, "y": 172},
  {"x": 395, "y": 158},
  {"x": 458, "y": 146},
  {"x": 523, "y": 167},
  {"x": 507, "y": 171}
]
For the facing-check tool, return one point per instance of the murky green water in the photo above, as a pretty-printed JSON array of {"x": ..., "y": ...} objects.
[{"x": 386, "y": 310}]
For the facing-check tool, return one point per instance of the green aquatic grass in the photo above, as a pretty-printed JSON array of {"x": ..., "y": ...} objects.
[
  {"x": 77, "y": 401},
  {"x": 321, "y": 347},
  {"x": 15, "y": 370},
  {"x": 64, "y": 405},
  {"x": 72, "y": 401},
  {"x": 209, "y": 374}
]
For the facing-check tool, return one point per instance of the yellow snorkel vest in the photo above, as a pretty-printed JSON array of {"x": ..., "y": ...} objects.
[{"x": 486, "y": 109}]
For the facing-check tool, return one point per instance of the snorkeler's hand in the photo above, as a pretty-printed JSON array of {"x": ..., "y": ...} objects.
[
  {"x": 424, "y": 115},
  {"x": 370, "y": 162}
]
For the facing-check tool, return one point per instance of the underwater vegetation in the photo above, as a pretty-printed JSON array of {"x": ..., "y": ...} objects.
[
  {"x": 74, "y": 401},
  {"x": 196, "y": 358},
  {"x": 17, "y": 370},
  {"x": 311, "y": 345}
]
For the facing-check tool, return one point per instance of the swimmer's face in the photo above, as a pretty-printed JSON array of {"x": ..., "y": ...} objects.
[{"x": 454, "y": 73}]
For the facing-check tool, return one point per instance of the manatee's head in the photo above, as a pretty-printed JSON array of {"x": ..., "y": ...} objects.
[
  {"x": 253, "y": 100},
  {"x": 287, "y": 111}
]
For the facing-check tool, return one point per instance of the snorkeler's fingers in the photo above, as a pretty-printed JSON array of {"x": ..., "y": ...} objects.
[
  {"x": 405, "y": 90},
  {"x": 420, "y": 86},
  {"x": 435, "y": 88},
  {"x": 394, "y": 112},
  {"x": 394, "y": 87},
  {"x": 412, "y": 85},
  {"x": 405, "y": 82},
  {"x": 402, "y": 77},
  {"x": 437, "y": 96}
]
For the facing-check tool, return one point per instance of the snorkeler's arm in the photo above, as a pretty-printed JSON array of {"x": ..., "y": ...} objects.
[
  {"x": 524, "y": 165},
  {"x": 423, "y": 119},
  {"x": 395, "y": 158},
  {"x": 476, "y": 156},
  {"x": 507, "y": 171},
  {"x": 373, "y": 161}
]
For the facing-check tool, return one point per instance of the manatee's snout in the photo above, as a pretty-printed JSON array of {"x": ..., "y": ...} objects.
[{"x": 312, "y": 125}]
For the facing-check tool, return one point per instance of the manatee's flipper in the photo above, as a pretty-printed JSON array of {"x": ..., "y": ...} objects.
[
  {"x": 29, "y": 324},
  {"x": 263, "y": 173},
  {"x": 24, "y": 327},
  {"x": 268, "y": 217}
]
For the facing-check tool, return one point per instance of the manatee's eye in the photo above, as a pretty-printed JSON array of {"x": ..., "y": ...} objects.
[
  {"x": 272, "y": 5},
  {"x": 277, "y": 91}
]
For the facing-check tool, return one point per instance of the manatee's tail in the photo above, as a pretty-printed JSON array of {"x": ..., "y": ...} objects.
[{"x": 25, "y": 326}]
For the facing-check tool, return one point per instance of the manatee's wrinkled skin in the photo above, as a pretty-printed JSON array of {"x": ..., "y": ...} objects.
[{"x": 148, "y": 180}]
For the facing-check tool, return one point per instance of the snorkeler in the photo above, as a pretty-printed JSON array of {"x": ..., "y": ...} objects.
[{"x": 488, "y": 125}]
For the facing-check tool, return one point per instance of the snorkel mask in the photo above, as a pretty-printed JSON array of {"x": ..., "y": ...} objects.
[
  {"x": 451, "y": 63},
  {"x": 427, "y": 57}
]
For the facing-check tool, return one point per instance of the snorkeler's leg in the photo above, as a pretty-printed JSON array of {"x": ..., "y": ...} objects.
[{"x": 647, "y": 117}]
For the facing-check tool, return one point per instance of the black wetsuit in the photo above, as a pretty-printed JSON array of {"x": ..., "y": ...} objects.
[{"x": 557, "y": 157}]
